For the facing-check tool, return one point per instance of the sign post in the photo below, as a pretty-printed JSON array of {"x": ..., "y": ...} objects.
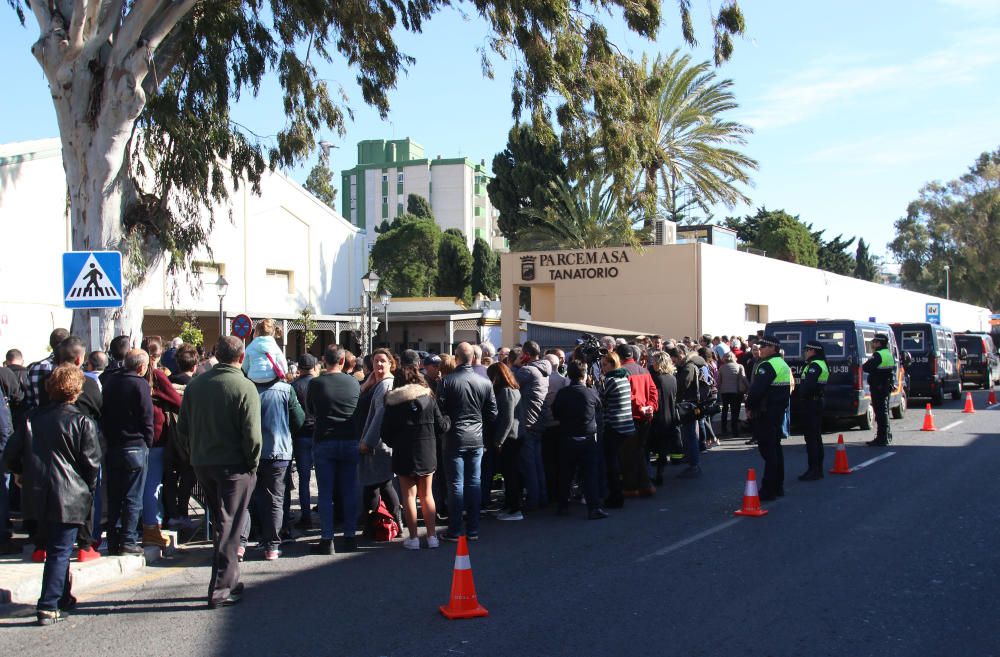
[
  {"x": 92, "y": 279},
  {"x": 933, "y": 313}
]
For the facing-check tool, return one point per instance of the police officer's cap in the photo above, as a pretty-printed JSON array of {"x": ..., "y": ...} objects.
[
  {"x": 769, "y": 341},
  {"x": 816, "y": 346},
  {"x": 882, "y": 337}
]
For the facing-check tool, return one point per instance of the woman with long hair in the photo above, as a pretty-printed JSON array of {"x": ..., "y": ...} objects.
[
  {"x": 411, "y": 426},
  {"x": 666, "y": 435},
  {"x": 166, "y": 405},
  {"x": 503, "y": 434},
  {"x": 376, "y": 456}
]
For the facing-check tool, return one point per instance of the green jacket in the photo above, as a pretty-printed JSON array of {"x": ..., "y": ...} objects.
[{"x": 219, "y": 422}]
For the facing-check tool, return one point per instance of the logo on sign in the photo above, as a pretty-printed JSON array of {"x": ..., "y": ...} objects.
[{"x": 933, "y": 313}]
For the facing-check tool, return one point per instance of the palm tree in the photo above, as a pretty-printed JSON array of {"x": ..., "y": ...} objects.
[
  {"x": 690, "y": 162},
  {"x": 586, "y": 215}
]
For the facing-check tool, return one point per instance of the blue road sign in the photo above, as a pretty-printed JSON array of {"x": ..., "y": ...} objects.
[
  {"x": 933, "y": 313},
  {"x": 92, "y": 279}
]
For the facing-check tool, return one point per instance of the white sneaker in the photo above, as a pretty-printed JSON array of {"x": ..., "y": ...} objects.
[
  {"x": 411, "y": 543},
  {"x": 517, "y": 515},
  {"x": 432, "y": 541}
]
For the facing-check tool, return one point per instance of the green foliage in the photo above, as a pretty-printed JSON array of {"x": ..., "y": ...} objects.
[
  {"x": 833, "y": 255},
  {"x": 522, "y": 174},
  {"x": 406, "y": 256},
  {"x": 418, "y": 206},
  {"x": 320, "y": 183},
  {"x": 586, "y": 215},
  {"x": 308, "y": 326},
  {"x": 191, "y": 334},
  {"x": 689, "y": 159},
  {"x": 865, "y": 266},
  {"x": 785, "y": 237},
  {"x": 955, "y": 224},
  {"x": 485, "y": 269},
  {"x": 454, "y": 266}
]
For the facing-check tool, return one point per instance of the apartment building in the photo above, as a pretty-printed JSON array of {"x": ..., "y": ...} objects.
[{"x": 387, "y": 172}]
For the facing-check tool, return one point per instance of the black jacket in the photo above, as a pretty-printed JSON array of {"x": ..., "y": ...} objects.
[
  {"x": 301, "y": 388},
  {"x": 469, "y": 402},
  {"x": 57, "y": 454},
  {"x": 127, "y": 411},
  {"x": 687, "y": 378},
  {"x": 575, "y": 407},
  {"x": 666, "y": 385}
]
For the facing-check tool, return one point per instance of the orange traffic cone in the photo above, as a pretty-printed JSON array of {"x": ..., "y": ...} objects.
[
  {"x": 463, "y": 602},
  {"x": 993, "y": 397},
  {"x": 840, "y": 458},
  {"x": 969, "y": 407},
  {"x": 751, "y": 500},
  {"x": 928, "y": 420}
]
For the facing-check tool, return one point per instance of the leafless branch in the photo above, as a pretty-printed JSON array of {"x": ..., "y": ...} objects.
[
  {"x": 133, "y": 25},
  {"x": 43, "y": 14},
  {"x": 166, "y": 21},
  {"x": 76, "y": 23}
]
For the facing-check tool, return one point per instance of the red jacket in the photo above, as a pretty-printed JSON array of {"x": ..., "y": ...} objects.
[
  {"x": 644, "y": 392},
  {"x": 165, "y": 397}
]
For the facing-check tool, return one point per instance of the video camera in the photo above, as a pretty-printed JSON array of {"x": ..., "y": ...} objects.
[{"x": 590, "y": 348}]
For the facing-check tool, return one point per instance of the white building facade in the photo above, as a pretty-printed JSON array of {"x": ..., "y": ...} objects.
[{"x": 280, "y": 252}]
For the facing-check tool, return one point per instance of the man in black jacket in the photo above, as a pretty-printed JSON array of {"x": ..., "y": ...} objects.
[
  {"x": 688, "y": 372},
  {"x": 303, "y": 443},
  {"x": 575, "y": 407},
  {"x": 468, "y": 400},
  {"x": 127, "y": 424}
]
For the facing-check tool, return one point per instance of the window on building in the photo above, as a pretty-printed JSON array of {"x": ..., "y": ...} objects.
[
  {"x": 754, "y": 313},
  {"x": 280, "y": 281},
  {"x": 385, "y": 177},
  {"x": 400, "y": 199},
  {"x": 354, "y": 181},
  {"x": 208, "y": 272},
  {"x": 399, "y": 177},
  {"x": 385, "y": 200}
]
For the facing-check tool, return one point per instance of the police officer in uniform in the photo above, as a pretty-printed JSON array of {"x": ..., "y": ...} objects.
[
  {"x": 814, "y": 378},
  {"x": 881, "y": 369},
  {"x": 767, "y": 400}
]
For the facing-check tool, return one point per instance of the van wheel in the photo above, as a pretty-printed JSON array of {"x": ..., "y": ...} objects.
[
  {"x": 867, "y": 421},
  {"x": 956, "y": 394},
  {"x": 898, "y": 412},
  {"x": 938, "y": 397}
]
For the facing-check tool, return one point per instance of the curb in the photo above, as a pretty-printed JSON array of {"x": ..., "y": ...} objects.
[{"x": 88, "y": 575}]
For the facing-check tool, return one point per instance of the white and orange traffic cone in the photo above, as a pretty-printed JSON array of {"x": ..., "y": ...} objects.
[
  {"x": 992, "y": 398},
  {"x": 751, "y": 499},
  {"x": 928, "y": 420},
  {"x": 463, "y": 602},
  {"x": 840, "y": 458},
  {"x": 969, "y": 406}
]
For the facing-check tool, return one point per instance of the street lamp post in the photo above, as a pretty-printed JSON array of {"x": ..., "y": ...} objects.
[
  {"x": 222, "y": 286},
  {"x": 947, "y": 282},
  {"x": 386, "y": 298},
  {"x": 369, "y": 284}
]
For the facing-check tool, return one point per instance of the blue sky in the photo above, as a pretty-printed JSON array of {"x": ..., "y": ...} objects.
[{"x": 855, "y": 104}]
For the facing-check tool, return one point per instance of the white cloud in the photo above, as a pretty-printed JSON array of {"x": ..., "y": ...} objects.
[
  {"x": 836, "y": 84},
  {"x": 891, "y": 151}
]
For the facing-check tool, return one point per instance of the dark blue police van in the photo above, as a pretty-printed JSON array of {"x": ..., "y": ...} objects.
[
  {"x": 935, "y": 366},
  {"x": 848, "y": 345}
]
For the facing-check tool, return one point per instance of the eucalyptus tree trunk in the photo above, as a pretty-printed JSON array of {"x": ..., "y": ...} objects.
[{"x": 97, "y": 63}]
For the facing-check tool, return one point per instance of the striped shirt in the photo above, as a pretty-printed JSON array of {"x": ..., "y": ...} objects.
[{"x": 617, "y": 402}]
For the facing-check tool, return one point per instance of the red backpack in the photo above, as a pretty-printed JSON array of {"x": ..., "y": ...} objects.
[{"x": 384, "y": 527}]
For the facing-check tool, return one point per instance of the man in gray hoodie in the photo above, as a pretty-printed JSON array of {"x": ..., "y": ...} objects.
[{"x": 532, "y": 376}]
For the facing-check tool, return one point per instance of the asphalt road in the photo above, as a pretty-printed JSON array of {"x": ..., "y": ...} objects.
[{"x": 898, "y": 558}]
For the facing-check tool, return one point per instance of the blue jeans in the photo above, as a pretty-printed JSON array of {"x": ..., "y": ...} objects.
[
  {"x": 464, "y": 490},
  {"x": 152, "y": 490},
  {"x": 533, "y": 470},
  {"x": 126, "y": 478},
  {"x": 689, "y": 432},
  {"x": 60, "y": 539},
  {"x": 337, "y": 465},
  {"x": 303, "y": 465}
]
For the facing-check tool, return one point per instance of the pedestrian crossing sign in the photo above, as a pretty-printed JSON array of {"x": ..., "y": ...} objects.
[{"x": 92, "y": 279}]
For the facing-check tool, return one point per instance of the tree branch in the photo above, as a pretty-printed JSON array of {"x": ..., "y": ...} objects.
[
  {"x": 43, "y": 15},
  {"x": 165, "y": 58},
  {"x": 75, "y": 35},
  {"x": 90, "y": 23},
  {"x": 132, "y": 26},
  {"x": 166, "y": 20},
  {"x": 108, "y": 22}
]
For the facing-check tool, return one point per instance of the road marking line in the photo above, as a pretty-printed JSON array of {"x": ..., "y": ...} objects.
[
  {"x": 872, "y": 461},
  {"x": 688, "y": 541},
  {"x": 952, "y": 425},
  {"x": 990, "y": 408}
]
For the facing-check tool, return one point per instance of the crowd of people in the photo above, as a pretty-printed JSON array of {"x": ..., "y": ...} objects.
[{"x": 511, "y": 431}]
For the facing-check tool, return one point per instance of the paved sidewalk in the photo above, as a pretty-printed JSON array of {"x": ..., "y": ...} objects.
[{"x": 21, "y": 579}]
